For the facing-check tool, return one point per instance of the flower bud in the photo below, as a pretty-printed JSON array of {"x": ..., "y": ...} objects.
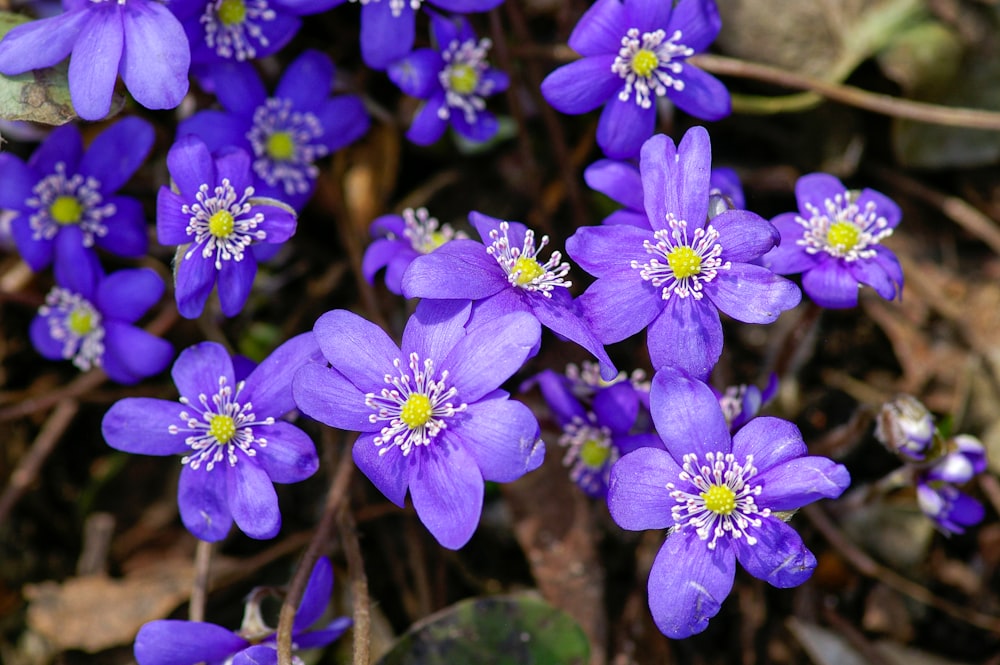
[{"x": 906, "y": 427}]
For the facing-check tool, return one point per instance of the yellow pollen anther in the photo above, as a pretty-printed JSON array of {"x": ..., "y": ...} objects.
[
  {"x": 684, "y": 262},
  {"x": 463, "y": 79},
  {"x": 416, "y": 410},
  {"x": 593, "y": 454},
  {"x": 221, "y": 224},
  {"x": 281, "y": 146},
  {"x": 529, "y": 270},
  {"x": 720, "y": 499},
  {"x": 222, "y": 428},
  {"x": 80, "y": 322},
  {"x": 644, "y": 62},
  {"x": 66, "y": 210},
  {"x": 843, "y": 236},
  {"x": 231, "y": 12}
]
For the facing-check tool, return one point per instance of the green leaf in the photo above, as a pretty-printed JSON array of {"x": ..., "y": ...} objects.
[
  {"x": 41, "y": 95},
  {"x": 519, "y": 629}
]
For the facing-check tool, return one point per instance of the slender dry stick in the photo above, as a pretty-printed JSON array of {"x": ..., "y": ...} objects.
[
  {"x": 359, "y": 587},
  {"x": 43, "y": 445},
  {"x": 334, "y": 500},
  {"x": 81, "y": 385},
  {"x": 199, "y": 590},
  {"x": 869, "y": 567}
]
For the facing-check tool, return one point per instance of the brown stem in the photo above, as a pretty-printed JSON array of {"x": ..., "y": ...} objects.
[
  {"x": 359, "y": 587},
  {"x": 199, "y": 590}
]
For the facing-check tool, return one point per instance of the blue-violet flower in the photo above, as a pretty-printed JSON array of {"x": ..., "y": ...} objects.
[
  {"x": 233, "y": 444},
  {"x": 174, "y": 642},
  {"x": 504, "y": 274},
  {"x": 65, "y": 197},
  {"x": 286, "y": 133},
  {"x": 635, "y": 51},
  {"x": 432, "y": 418},
  {"x": 216, "y": 217},
  {"x": 141, "y": 39},
  {"x": 718, "y": 495},
  {"x": 454, "y": 78},
  {"x": 678, "y": 274},
  {"x": 88, "y": 318},
  {"x": 835, "y": 242}
]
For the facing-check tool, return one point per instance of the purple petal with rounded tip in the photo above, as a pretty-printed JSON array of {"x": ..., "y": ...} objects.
[
  {"x": 502, "y": 436},
  {"x": 601, "y": 250},
  {"x": 601, "y": 28},
  {"x": 483, "y": 128},
  {"x": 316, "y": 596},
  {"x": 193, "y": 282},
  {"x": 40, "y": 43},
  {"x": 797, "y": 482},
  {"x": 326, "y": 395},
  {"x": 252, "y": 499},
  {"x": 620, "y": 305},
  {"x": 356, "y": 347},
  {"x": 687, "y": 334},
  {"x": 779, "y": 557},
  {"x": 118, "y": 152},
  {"x": 389, "y": 472},
  {"x": 235, "y": 281},
  {"x": 417, "y": 74},
  {"x": 788, "y": 257},
  {"x": 619, "y": 181},
  {"x": 458, "y": 269},
  {"x": 344, "y": 120},
  {"x": 171, "y": 223},
  {"x": 617, "y": 407},
  {"x": 18, "y": 182},
  {"x": 217, "y": 129},
  {"x": 269, "y": 386},
  {"x": 41, "y": 338},
  {"x": 173, "y": 642},
  {"x": 93, "y": 65},
  {"x": 688, "y": 583},
  {"x": 140, "y": 425},
  {"x": 156, "y": 55},
  {"x": 258, "y": 654},
  {"x": 771, "y": 441},
  {"x": 815, "y": 189},
  {"x": 307, "y": 80},
  {"x": 190, "y": 165},
  {"x": 872, "y": 273},
  {"x": 447, "y": 492},
  {"x": 289, "y": 456},
  {"x": 435, "y": 328},
  {"x": 132, "y": 354},
  {"x": 582, "y": 85},
  {"x": 752, "y": 294},
  {"x": 703, "y": 96},
  {"x": 563, "y": 316},
  {"x": 676, "y": 180},
  {"x": 63, "y": 144},
  {"x": 199, "y": 369},
  {"x": 127, "y": 294},
  {"x": 127, "y": 228},
  {"x": 638, "y": 497},
  {"x": 744, "y": 235},
  {"x": 623, "y": 127},
  {"x": 384, "y": 37},
  {"x": 649, "y": 15},
  {"x": 204, "y": 508},
  {"x": 687, "y": 416},
  {"x": 831, "y": 285},
  {"x": 698, "y": 21},
  {"x": 884, "y": 206},
  {"x": 490, "y": 354},
  {"x": 427, "y": 126}
]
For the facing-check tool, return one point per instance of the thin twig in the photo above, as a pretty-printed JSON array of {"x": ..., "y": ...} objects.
[
  {"x": 869, "y": 567},
  {"x": 359, "y": 587},
  {"x": 334, "y": 499},
  {"x": 199, "y": 590},
  {"x": 81, "y": 385},
  {"x": 43, "y": 445}
]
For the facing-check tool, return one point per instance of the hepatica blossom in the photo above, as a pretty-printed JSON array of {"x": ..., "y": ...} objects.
[
  {"x": 89, "y": 318},
  {"x": 718, "y": 496},
  {"x": 286, "y": 133},
  {"x": 505, "y": 273},
  {"x": 431, "y": 416},
  {"x": 173, "y": 642},
  {"x": 455, "y": 79},
  {"x": 66, "y": 197},
  {"x": 398, "y": 239},
  {"x": 678, "y": 274},
  {"x": 216, "y": 217},
  {"x": 232, "y": 443},
  {"x": 835, "y": 239},
  {"x": 141, "y": 39},
  {"x": 635, "y": 51}
]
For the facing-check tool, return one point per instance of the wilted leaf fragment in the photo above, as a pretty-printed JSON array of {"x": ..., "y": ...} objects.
[{"x": 519, "y": 629}]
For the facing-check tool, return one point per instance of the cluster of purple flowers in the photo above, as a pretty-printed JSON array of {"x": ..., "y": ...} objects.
[{"x": 935, "y": 465}]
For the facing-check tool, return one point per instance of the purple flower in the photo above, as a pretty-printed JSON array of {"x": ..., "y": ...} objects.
[
  {"x": 65, "y": 196},
  {"x": 504, "y": 274},
  {"x": 595, "y": 436},
  {"x": 431, "y": 416},
  {"x": 622, "y": 183},
  {"x": 398, "y": 239},
  {"x": 454, "y": 78},
  {"x": 286, "y": 133},
  {"x": 139, "y": 38},
  {"x": 964, "y": 457},
  {"x": 742, "y": 403},
  {"x": 173, "y": 642},
  {"x": 239, "y": 30},
  {"x": 635, "y": 51},
  {"x": 388, "y": 27},
  {"x": 678, "y": 274},
  {"x": 88, "y": 318},
  {"x": 835, "y": 242},
  {"x": 233, "y": 444},
  {"x": 214, "y": 210},
  {"x": 718, "y": 495},
  {"x": 951, "y": 509}
]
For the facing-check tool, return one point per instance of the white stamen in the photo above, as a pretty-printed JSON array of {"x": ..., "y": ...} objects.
[
  {"x": 296, "y": 173},
  {"x": 465, "y": 58},
  {"x": 662, "y": 76},
  {"x": 245, "y": 232},
  {"x": 705, "y": 246},
  {"x": 508, "y": 257},
  {"x": 86, "y": 350},
  {"x": 237, "y": 39},
  {"x": 871, "y": 227},
  {"x": 86, "y": 192}
]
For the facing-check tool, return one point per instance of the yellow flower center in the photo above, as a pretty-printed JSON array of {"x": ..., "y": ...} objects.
[
  {"x": 222, "y": 428},
  {"x": 720, "y": 499},
  {"x": 644, "y": 62},
  {"x": 281, "y": 146},
  {"x": 66, "y": 210},
  {"x": 232, "y": 12},
  {"x": 221, "y": 224},
  {"x": 80, "y": 322},
  {"x": 530, "y": 269},
  {"x": 416, "y": 410},
  {"x": 684, "y": 262},
  {"x": 593, "y": 454},
  {"x": 843, "y": 236},
  {"x": 463, "y": 79}
]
